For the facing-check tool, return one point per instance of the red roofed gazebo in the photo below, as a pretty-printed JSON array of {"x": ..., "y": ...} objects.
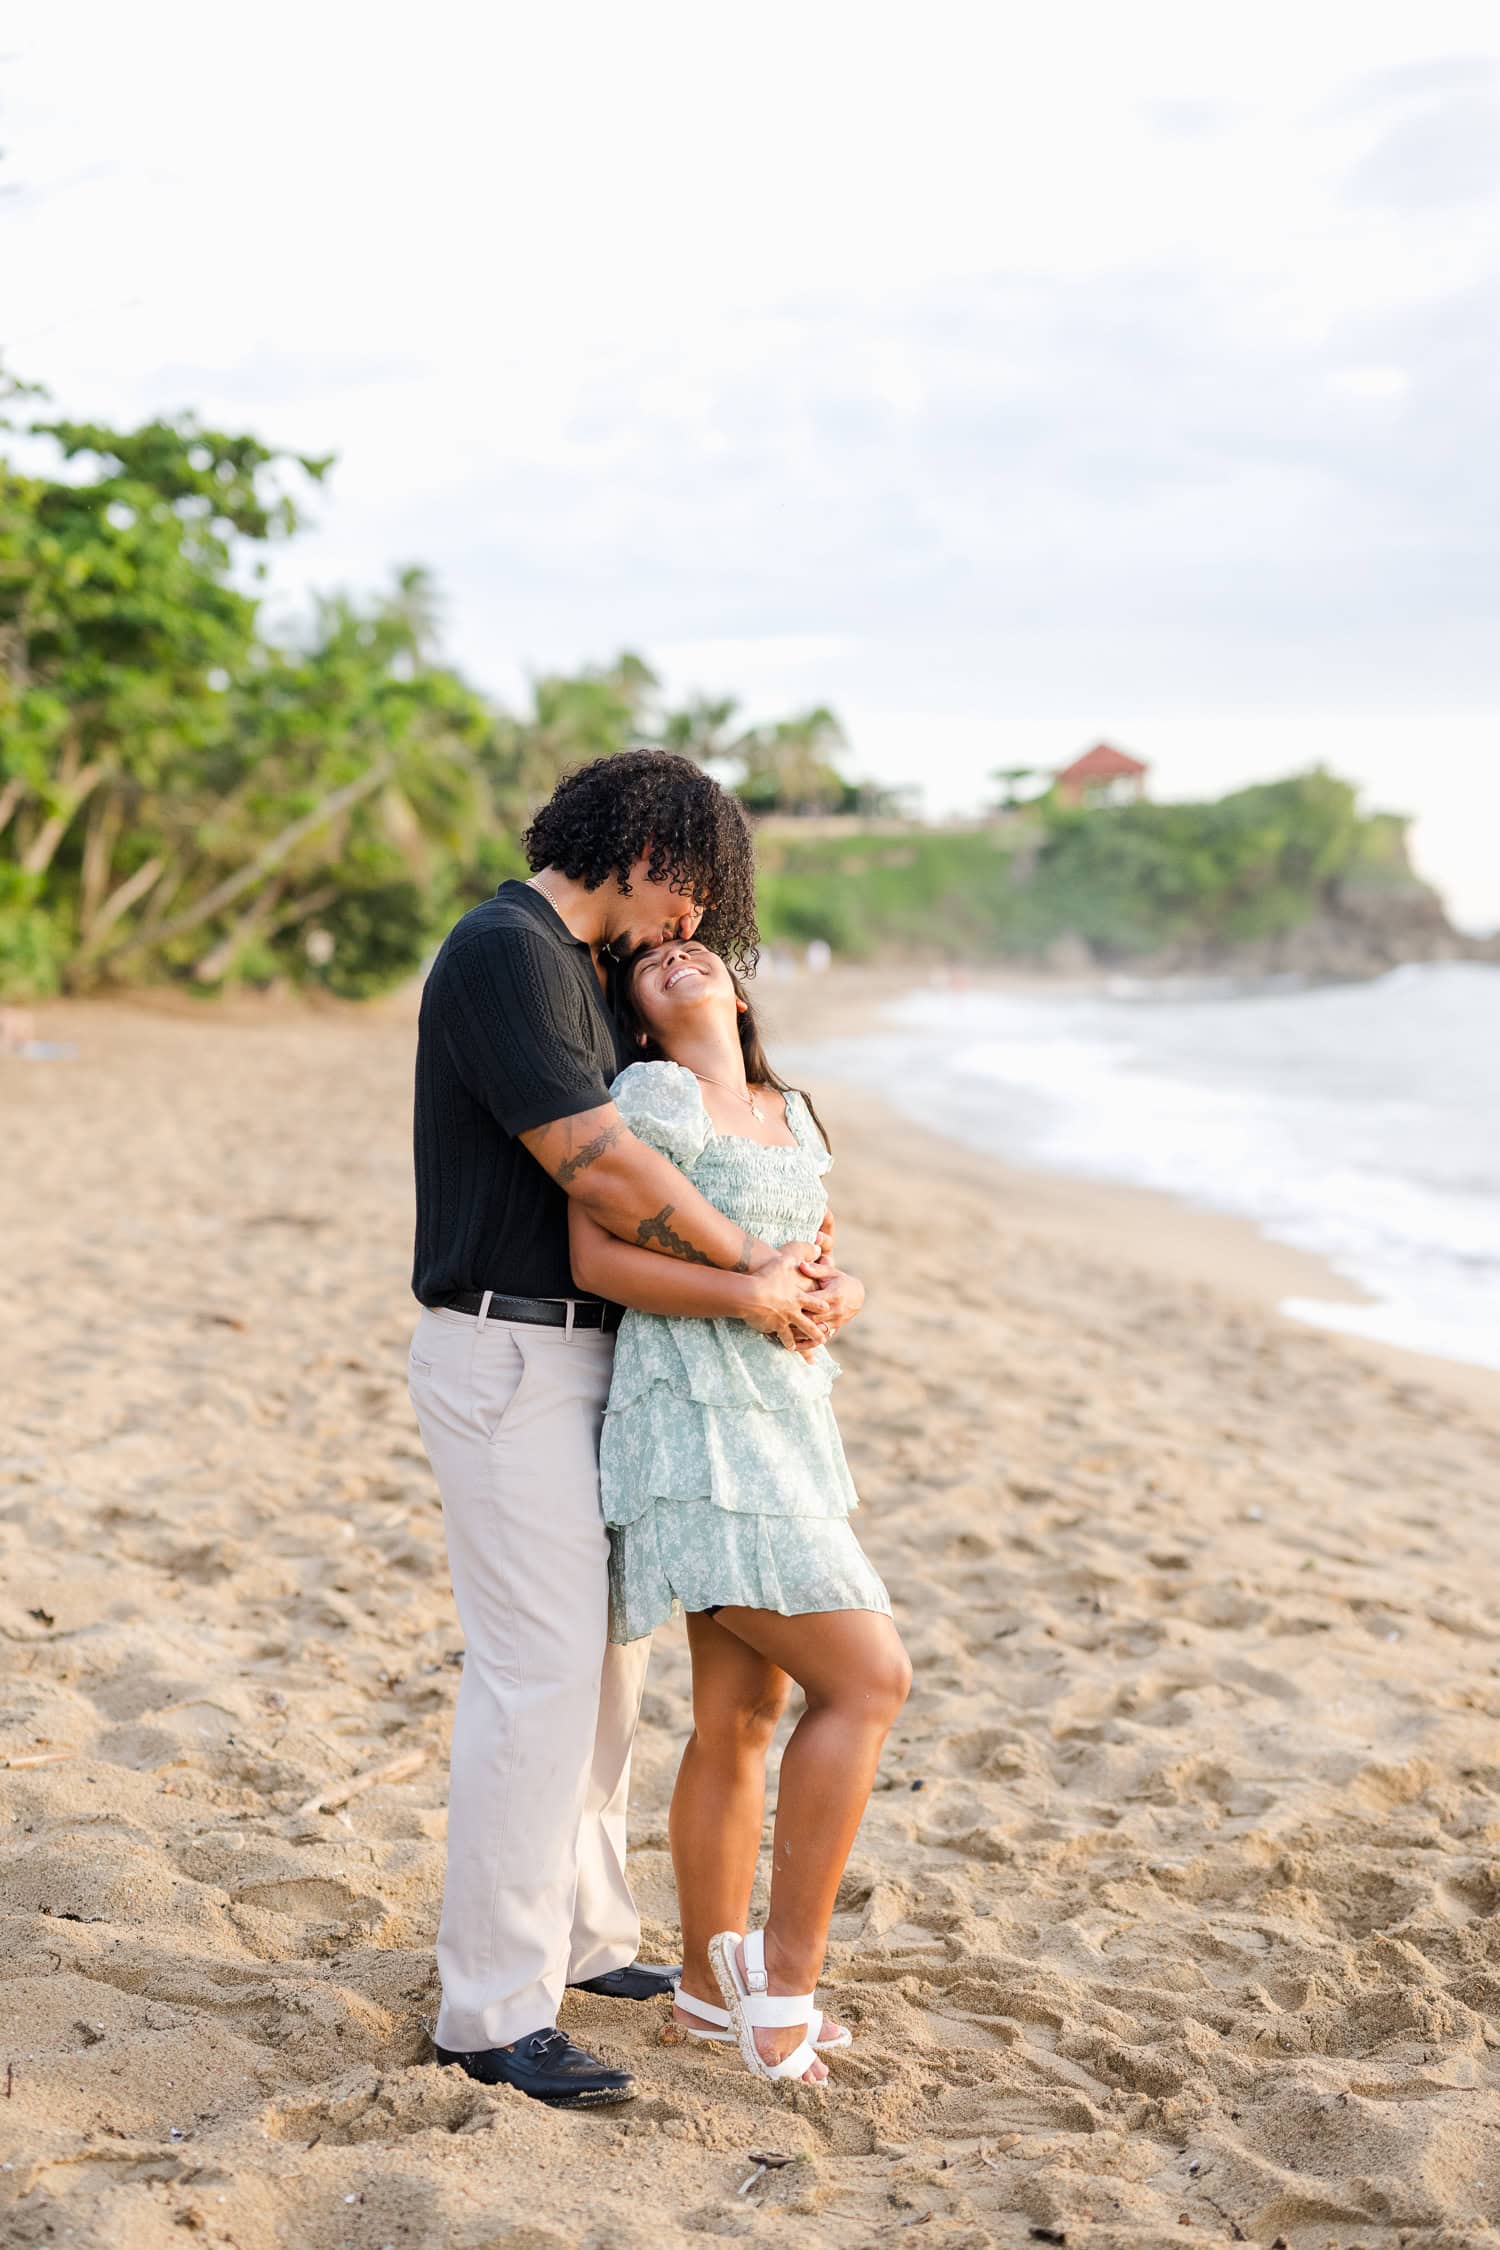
[{"x": 1102, "y": 776}]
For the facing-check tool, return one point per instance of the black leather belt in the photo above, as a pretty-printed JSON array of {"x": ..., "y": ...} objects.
[{"x": 542, "y": 1312}]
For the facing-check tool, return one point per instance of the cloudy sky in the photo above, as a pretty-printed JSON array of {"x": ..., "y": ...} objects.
[{"x": 1006, "y": 376}]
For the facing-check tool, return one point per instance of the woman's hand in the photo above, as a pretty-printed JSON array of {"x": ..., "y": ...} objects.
[
  {"x": 839, "y": 1296},
  {"x": 782, "y": 1301}
]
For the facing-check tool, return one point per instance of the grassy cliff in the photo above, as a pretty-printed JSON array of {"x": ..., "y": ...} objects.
[{"x": 1187, "y": 881}]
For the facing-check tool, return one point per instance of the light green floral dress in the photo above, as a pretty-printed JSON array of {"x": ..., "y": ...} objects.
[{"x": 722, "y": 1472}]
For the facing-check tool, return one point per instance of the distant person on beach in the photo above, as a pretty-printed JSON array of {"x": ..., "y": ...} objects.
[
  {"x": 510, "y": 1368},
  {"x": 727, "y": 1494}
]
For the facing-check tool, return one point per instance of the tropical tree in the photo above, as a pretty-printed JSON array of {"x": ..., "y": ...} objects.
[
  {"x": 790, "y": 766},
  {"x": 378, "y": 760},
  {"x": 123, "y": 624},
  {"x": 1021, "y": 785},
  {"x": 704, "y": 729},
  {"x": 574, "y": 717},
  {"x": 177, "y": 793}
]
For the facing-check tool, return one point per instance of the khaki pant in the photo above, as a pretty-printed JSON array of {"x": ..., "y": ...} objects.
[{"x": 535, "y": 1894}]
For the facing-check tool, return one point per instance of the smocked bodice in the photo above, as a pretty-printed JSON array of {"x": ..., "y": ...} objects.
[{"x": 721, "y": 1365}]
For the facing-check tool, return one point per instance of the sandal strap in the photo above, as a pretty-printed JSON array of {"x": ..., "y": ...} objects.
[
  {"x": 770, "y": 2011},
  {"x": 795, "y": 2065},
  {"x": 755, "y": 1960},
  {"x": 722, "y": 2020},
  {"x": 767, "y": 2010},
  {"x": 705, "y": 2010}
]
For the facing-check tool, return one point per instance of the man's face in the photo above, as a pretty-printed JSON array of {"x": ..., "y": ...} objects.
[{"x": 653, "y": 914}]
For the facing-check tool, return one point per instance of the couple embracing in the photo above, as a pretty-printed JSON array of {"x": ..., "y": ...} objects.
[{"x": 625, "y": 1261}]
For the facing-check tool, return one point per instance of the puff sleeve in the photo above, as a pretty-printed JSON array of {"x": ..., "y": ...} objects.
[{"x": 661, "y": 1104}]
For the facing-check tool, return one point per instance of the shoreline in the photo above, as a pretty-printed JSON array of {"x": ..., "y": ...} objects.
[{"x": 1170, "y": 1234}]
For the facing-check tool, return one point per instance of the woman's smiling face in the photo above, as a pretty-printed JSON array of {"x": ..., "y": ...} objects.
[{"x": 667, "y": 982}]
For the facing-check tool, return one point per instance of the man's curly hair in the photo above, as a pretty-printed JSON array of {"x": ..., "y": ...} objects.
[{"x": 603, "y": 817}]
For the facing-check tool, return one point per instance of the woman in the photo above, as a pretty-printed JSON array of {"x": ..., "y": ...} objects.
[{"x": 726, "y": 1491}]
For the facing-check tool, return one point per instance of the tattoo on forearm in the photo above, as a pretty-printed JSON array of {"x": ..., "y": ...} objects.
[
  {"x": 590, "y": 1152},
  {"x": 657, "y": 1234},
  {"x": 743, "y": 1265}
]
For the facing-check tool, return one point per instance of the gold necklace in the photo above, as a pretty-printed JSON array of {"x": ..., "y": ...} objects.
[
  {"x": 535, "y": 883},
  {"x": 749, "y": 1100}
]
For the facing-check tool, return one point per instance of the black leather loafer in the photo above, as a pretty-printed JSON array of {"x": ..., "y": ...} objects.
[
  {"x": 638, "y": 1980},
  {"x": 547, "y": 2066}
]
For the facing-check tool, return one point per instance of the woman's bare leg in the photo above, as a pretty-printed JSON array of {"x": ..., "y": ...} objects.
[
  {"x": 719, "y": 1802},
  {"x": 855, "y": 1674}
]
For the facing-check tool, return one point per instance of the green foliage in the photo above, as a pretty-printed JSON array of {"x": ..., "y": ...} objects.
[
  {"x": 1130, "y": 879},
  {"x": 123, "y": 630},
  {"x": 33, "y": 950},
  {"x": 378, "y": 932},
  {"x": 948, "y": 892},
  {"x": 786, "y": 766},
  {"x": 573, "y": 720},
  {"x": 791, "y": 766},
  {"x": 1020, "y": 785},
  {"x": 184, "y": 795}
]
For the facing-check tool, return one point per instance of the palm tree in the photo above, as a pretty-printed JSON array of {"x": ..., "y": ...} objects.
[
  {"x": 574, "y": 716},
  {"x": 789, "y": 766},
  {"x": 702, "y": 729},
  {"x": 1012, "y": 780},
  {"x": 412, "y": 615}
]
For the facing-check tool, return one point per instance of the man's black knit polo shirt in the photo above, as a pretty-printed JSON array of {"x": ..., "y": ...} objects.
[{"x": 514, "y": 1033}]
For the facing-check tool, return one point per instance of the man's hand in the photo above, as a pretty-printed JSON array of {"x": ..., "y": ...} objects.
[{"x": 782, "y": 1300}]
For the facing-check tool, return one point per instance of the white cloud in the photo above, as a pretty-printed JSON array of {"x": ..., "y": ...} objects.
[
  {"x": 1376, "y": 385},
  {"x": 1063, "y": 371}
]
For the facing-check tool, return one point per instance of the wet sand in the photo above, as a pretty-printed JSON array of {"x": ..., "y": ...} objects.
[{"x": 1178, "y": 1907}]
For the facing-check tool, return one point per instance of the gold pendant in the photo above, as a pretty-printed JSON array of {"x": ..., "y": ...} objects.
[{"x": 755, "y": 1109}]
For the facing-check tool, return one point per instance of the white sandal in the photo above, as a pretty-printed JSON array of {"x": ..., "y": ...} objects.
[
  {"x": 753, "y": 2007},
  {"x": 724, "y": 2034}
]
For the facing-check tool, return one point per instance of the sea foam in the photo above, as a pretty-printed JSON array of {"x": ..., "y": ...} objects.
[{"x": 1355, "y": 1121}]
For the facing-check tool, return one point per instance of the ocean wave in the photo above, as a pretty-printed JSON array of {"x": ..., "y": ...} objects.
[{"x": 1353, "y": 1121}]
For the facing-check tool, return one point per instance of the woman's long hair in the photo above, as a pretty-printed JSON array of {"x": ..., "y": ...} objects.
[{"x": 758, "y": 1067}]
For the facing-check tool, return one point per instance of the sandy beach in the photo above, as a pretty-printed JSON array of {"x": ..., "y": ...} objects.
[{"x": 1176, "y": 1915}]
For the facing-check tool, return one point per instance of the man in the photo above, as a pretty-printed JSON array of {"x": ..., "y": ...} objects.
[{"x": 509, "y": 1373}]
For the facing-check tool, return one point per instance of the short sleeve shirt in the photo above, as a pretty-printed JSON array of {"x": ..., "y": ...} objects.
[{"x": 514, "y": 1033}]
